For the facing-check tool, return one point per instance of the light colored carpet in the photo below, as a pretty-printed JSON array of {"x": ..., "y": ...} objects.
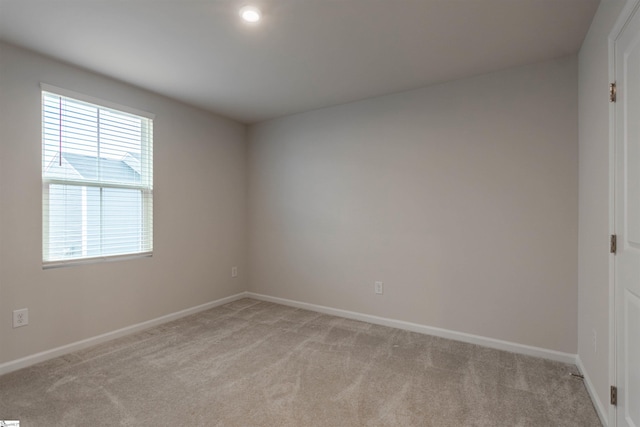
[{"x": 251, "y": 363}]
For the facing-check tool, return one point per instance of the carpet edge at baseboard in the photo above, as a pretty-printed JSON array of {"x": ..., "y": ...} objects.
[
  {"x": 29, "y": 360},
  {"x": 26, "y": 361},
  {"x": 528, "y": 350}
]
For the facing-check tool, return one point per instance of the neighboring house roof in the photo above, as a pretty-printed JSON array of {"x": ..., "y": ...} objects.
[
  {"x": 87, "y": 167},
  {"x": 134, "y": 161}
]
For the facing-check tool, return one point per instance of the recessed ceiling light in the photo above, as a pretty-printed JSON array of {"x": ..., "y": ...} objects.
[{"x": 250, "y": 14}]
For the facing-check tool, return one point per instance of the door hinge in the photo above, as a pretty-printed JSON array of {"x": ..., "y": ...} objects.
[
  {"x": 613, "y": 248},
  {"x": 612, "y": 92},
  {"x": 614, "y": 395}
]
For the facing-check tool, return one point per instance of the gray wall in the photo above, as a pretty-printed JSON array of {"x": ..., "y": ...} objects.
[
  {"x": 593, "y": 271},
  {"x": 461, "y": 198},
  {"x": 199, "y": 206}
]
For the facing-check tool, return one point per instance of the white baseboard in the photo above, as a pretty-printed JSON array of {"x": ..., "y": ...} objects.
[
  {"x": 24, "y": 362},
  {"x": 423, "y": 329},
  {"x": 600, "y": 408},
  {"x": 414, "y": 327}
]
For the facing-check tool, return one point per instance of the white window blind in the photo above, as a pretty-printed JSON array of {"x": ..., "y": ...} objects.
[{"x": 97, "y": 180}]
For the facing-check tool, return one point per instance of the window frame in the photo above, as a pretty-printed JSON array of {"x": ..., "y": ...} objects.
[{"x": 145, "y": 186}]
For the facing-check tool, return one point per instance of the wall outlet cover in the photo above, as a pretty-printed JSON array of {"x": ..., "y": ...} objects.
[
  {"x": 20, "y": 317},
  {"x": 378, "y": 288}
]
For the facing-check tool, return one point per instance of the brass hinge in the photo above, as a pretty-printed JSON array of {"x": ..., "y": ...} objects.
[
  {"x": 614, "y": 395},
  {"x": 612, "y": 92},
  {"x": 613, "y": 248}
]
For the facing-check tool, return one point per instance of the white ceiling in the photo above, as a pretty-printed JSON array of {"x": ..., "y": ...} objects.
[{"x": 305, "y": 54}]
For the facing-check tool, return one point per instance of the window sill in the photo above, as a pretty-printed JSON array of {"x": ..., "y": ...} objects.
[{"x": 82, "y": 261}]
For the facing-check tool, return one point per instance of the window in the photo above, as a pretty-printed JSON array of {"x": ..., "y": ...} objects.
[{"x": 97, "y": 179}]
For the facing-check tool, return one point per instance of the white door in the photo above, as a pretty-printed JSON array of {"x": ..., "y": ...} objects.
[{"x": 627, "y": 223}]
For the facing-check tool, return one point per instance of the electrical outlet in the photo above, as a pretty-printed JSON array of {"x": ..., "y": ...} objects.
[
  {"x": 20, "y": 317},
  {"x": 234, "y": 271},
  {"x": 595, "y": 341},
  {"x": 378, "y": 288}
]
